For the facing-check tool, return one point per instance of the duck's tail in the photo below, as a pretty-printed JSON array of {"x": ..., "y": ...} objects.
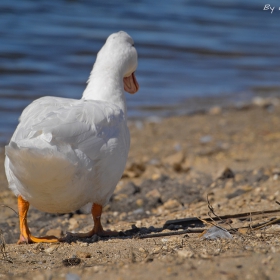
[{"x": 38, "y": 169}]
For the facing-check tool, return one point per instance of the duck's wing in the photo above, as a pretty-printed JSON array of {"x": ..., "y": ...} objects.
[{"x": 85, "y": 125}]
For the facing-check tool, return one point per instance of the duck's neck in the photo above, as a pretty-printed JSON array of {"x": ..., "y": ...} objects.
[{"x": 106, "y": 85}]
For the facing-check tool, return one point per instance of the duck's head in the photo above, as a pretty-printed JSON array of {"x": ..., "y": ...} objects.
[{"x": 119, "y": 52}]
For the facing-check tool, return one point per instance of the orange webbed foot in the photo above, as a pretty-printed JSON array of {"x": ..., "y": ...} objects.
[
  {"x": 25, "y": 236},
  {"x": 97, "y": 229},
  {"x": 29, "y": 239}
]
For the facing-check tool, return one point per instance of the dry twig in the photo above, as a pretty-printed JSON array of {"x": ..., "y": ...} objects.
[
  {"x": 274, "y": 221},
  {"x": 187, "y": 221},
  {"x": 210, "y": 207},
  {"x": 3, "y": 205},
  {"x": 3, "y": 248},
  {"x": 193, "y": 230}
]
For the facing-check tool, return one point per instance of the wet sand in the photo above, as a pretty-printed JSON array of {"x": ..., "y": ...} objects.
[{"x": 232, "y": 155}]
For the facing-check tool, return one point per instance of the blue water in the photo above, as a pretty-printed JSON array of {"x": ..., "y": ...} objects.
[{"x": 186, "y": 49}]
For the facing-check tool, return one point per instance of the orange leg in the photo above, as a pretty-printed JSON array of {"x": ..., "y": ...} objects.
[
  {"x": 96, "y": 212},
  {"x": 25, "y": 235}
]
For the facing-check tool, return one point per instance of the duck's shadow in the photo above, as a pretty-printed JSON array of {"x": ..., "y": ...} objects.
[{"x": 135, "y": 232}]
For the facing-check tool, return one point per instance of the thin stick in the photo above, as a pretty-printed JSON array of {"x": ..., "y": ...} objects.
[
  {"x": 267, "y": 224},
  {"x": 193, "y": 230},
  {"x": 224, "y": 217},
  {"x": 3, "y": 205},
  {"x": 213, "y": 212},
  {"x": 210, "y": 207},
  {"x": 3, "y": 245},
  {"x": 3, "y": 248}
]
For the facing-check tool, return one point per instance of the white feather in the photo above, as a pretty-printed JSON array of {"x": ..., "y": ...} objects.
[{"x": 66, "y": 153}]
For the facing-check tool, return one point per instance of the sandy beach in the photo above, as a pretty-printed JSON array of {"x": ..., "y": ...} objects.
[{"x": 230, "y": 155}]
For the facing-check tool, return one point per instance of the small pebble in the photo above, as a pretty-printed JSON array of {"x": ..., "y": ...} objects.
[
  {"x": 72, "y": 276},
  {"x": 73, "y": 224},
  {"x": 185, "y": 253},
  {"x": 205, "y": 139},
  {"x": 51, "y": 249},
  {"x": 216, "y": 110},
  {"x": 55, "y": 232},
  {"x": 157, "y": 250},
  {"x": 138, "y": 224},
  {"x": 171, "y": 204},
  {"x": 83, "y": 255}
]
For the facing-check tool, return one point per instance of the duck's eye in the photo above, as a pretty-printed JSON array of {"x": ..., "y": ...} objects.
[{"x": 132, "y": 45}]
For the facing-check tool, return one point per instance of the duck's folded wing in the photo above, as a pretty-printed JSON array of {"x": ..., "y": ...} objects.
[{"x": 39, "y": 110}]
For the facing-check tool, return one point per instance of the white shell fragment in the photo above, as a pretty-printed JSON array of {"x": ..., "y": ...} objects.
[{"x": 216, "y": 232}]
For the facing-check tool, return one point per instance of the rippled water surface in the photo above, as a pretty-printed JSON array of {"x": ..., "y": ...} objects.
[{"x": 186, "y": 49}]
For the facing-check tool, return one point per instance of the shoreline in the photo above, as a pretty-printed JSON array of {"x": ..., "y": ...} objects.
[
  {"x": 190, "y": 106},
  {"x": 202, "y": 104}
]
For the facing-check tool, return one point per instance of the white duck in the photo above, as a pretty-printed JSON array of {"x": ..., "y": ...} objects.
[{"x": 66, "y": 153}]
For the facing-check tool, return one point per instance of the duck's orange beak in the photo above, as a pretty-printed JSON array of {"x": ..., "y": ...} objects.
[{"x": 130, "y": 84}]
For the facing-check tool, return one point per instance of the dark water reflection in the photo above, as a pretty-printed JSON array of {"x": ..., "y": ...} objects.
[{"x": 186, "y": 49}]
